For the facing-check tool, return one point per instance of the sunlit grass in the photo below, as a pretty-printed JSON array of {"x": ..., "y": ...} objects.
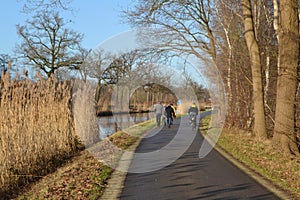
[
  {"x": 127, "y": 137},
  {"x": 263, "y": 158},
  {"x": 205, "y": 124}
]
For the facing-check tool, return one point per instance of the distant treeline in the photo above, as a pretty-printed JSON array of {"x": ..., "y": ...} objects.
[{"x": 112, "y": 100}]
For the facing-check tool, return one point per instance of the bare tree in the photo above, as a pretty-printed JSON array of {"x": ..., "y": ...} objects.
[
  {"x": 84, "y": 69},
  {"x": 184, "y": 25},
  {"x": 233, "y": 63},
  {"x": 288, "y": 30},
  {"x": 258, "y": 98},
  {"x": 96, "y": 62},
  {"x": 226, "y": 23},
  {"x": 48, "y": 44}
]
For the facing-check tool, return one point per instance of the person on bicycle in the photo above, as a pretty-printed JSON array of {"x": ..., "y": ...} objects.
[
  {"x": 193, "y": 112},
  {"x": 170, "y": 112}
]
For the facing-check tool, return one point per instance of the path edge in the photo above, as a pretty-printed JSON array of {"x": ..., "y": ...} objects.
[
  {"x": 249, "y": 171},
  {"x": 115, "y": 184}
]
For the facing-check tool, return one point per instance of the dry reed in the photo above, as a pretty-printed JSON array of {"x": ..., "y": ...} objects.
[
  {"x": 36, "y": 128},
  {"x": 84, "y": 112}
]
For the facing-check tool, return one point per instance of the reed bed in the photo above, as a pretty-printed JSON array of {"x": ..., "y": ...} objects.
[
  {"x": 37, "y": 129},
  {"x": 84, "y": 112}
]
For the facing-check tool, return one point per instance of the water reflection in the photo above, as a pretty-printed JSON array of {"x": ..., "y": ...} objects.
[{"x": 110, "y": 124}]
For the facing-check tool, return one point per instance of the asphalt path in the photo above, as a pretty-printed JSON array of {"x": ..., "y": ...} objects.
[{"x": 163, "y": 176}]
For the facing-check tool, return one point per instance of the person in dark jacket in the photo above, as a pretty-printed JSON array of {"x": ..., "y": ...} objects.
[{"x": 170, "y": 112}]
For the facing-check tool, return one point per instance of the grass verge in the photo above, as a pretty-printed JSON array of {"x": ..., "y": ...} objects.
[
  {"x": 266, "y": 160},
  {"x": 82, "y": 177}
]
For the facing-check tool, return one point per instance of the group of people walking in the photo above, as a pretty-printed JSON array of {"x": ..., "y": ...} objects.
[{"x": 166, "y": 114}]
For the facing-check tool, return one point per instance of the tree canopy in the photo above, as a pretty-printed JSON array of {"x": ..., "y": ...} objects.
[{"x": 47, "y": 43}]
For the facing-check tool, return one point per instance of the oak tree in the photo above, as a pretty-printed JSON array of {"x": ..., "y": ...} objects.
[
  {"x": 258, "y": 98},
  {"x": 47, "y": 43}
]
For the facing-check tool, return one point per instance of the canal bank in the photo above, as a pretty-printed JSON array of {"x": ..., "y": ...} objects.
[{"x": 108, "y": 125}]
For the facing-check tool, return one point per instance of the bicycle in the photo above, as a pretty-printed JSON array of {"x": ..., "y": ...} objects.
[{"x": 193, "y": 117}]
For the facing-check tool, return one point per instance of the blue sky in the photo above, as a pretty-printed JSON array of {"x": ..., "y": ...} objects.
[{"x": 98, "y": 20}]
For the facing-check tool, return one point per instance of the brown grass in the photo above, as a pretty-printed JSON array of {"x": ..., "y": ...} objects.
[
  {"x": 82, "y": 177},
  {"x": 122, "y": 140}
]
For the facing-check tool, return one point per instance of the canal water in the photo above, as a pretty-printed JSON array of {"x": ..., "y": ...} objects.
[{"x": 111, "y": 124}]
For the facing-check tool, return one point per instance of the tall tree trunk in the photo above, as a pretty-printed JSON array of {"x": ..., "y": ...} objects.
[
  {"x": 284, "y": 131},
  {"x": 256, "y": 69},
  {"x": 267, "y": 74},
  {"x": 275, "y": 26},
  {"x": 276, "y": 17}
]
